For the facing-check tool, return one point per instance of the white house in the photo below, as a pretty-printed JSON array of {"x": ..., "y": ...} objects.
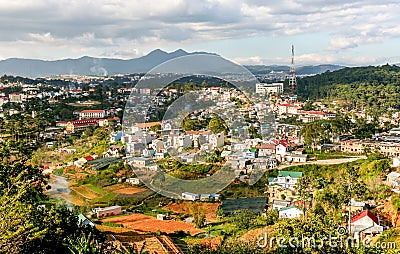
[
  {"x": 396, "y": 162},
  {"x": 183, "y": 141},
  {"x": 298, "y": 158},
  {"x": 287, "y": 179},
  {"x": 290, "y": 212},
  {"x": 135, "y": 147},
  {"x": 279, "y": 204},
  {"x": 365, "y": 223},
  {"x": 190, "y": 196},
  {"x": 133, "y": 180},
  {"x": 393, "y": 179},
  {"x": 157, "y": 145},
  {"x": 217, "y": 140},
  {"x": 108, "y": 211},
  {"x": 140, "y": 162},
  {"x": 281, "y": 150}
]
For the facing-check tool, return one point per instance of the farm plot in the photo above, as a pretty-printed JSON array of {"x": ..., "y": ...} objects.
[
  {"x": 143, "y": 223},
  {"x": 184, "y": 208}
]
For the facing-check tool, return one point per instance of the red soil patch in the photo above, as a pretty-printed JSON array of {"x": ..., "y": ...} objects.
[
  {"x": 129, "y": 190},
  {"x": 141, "y": 222},
  {"x": 184, "y": 208}
]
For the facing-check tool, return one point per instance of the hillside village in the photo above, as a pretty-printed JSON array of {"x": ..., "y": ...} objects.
[{"x": 88, "y": 143}]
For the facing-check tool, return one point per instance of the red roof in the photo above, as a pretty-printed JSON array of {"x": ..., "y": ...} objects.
[
  {"x": 283, "y": 142},
  {"x": 92, "y": 111},
  {"x": 89, "y": 158},
  {"x": 284, "y": 105},
  {"x": 315, "y": 112},
  {"x": 363, "y": 214},
  {"x": 266, "y": 146}
]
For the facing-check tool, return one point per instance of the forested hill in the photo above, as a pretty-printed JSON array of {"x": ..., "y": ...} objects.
[{"x": 375, "y": 88}]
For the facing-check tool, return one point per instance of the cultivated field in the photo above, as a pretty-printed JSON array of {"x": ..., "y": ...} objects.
[
  {"x": 144, "y": 223},
  {"x": 184, "y": 208}
]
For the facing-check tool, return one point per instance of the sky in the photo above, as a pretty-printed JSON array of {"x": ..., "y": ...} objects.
[{"x": 248, "y": 31}]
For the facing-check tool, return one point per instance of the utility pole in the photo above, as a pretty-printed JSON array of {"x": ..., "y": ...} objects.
[{"x": 292, "y": 78}]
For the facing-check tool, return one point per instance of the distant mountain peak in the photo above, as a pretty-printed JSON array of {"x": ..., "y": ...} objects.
[
  {"x": 180, "y": 51},
  {"x": 157, "y": 52}
]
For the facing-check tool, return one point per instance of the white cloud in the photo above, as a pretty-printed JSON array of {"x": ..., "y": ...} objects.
[{"x": 117, "y": 28}]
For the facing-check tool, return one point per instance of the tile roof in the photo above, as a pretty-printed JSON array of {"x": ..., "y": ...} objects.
[
  {"x": 363, "y": 214},
  {"x": 292, "y": 174}
]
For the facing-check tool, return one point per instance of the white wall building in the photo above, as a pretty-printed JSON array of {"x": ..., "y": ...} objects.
[
  {"x": 290, "y": 212},
  {"x": 274, "y": 88},
  {"x": 85, "y": 114},
  {"x": 108, "y": 211}
]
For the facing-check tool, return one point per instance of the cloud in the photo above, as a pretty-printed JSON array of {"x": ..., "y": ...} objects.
[{"x": 62, "y": 28}]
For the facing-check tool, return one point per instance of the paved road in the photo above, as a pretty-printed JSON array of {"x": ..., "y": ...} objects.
[{"x": 325, "y": 162}]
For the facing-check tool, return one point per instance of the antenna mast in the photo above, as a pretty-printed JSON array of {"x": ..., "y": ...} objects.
[{"x": 292, "y": 78}]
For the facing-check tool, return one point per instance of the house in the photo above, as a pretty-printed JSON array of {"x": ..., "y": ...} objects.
[
  {"x": 266, "y": 150},
  {"x": 148, "y": 152},
  {"x": 157, "y": 145},
  {"x": 183, "y": 141},
  {"x": 108, "y": 211},
  {"x": 298, "y": 158},
  {"x": 217, "y": 140},
  {"x": 393, "y": 179},
  {"x": 204, "y": 197},
  {"x": 279, "y": 204},
  {"x": 396, "y": 162},
  {"x": 281, "y": 150},
  {"x": 160, "y": 155},
  {"x": 16, "y": 97},
  {"x": 135, "y": 147},
  {"x": 290, "y": 212},
  {"x": 365, "y": 223},
  {"x": 114, "y": 151},
  {"x": 140, "y": 162},
  {"x": 250, "y": 153},
  {"x": 89, "y": 158},
  {"x": 286, "y": 179},
  {"x": 133, "y": 180},
  {"x": 161, "y": 216},
  {"x": 79, "y": 125},
  {"x": 144, "y": 126},
  {"x": 394, "y": 132},
  {"x": 84, "y": 221},
  {"x": 277, "y": 192},
  {"x": 190, "y": 196},
  {"x": 355, "y": 206},
  {"x": 116, "y": 136},
  {"x": 215, "y": 197},
  {"x": 79, "y": 163}
]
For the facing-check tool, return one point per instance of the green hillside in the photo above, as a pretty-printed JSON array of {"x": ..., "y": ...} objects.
[{"x": 373, "y": 88}]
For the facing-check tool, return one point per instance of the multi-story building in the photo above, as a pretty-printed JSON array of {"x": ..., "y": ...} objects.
[
  {"x": 274, "y": 88},
  {"x": 92, "y": 113},
  {"x": 16, "y": 97},
  {"x": 356, "y": 146}
]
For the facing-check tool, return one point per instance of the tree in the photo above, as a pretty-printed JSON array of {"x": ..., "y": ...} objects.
[
  {"x": 243, "y": 219},
  {"x": 217, "y": 125},
  {"x": 155, "y": 128},
  {"x": 199, "y": 214}
]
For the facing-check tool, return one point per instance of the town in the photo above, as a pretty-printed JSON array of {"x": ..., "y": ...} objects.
[{"x": 317, "y": 159}]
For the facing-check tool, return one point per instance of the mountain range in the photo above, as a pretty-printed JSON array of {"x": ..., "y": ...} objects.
[{"x": 105, "y": 66}]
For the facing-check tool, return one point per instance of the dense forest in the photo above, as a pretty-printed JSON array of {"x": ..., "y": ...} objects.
[{"x": 375, "y": 89}]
